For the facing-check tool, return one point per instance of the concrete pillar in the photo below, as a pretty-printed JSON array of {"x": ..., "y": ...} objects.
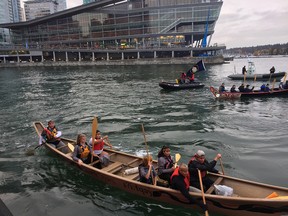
[
  {"x": 54, "y": 57},
  {"x": 122, "y": 58},
  {"x": 31, "y": 58},
  {"x": 18, "y": 59},
  {"x": 191, "y": 53},
  {"x": 173, "y": 54},
  {"x": 155, "y": 56},
  {"x": 79, "y": 54},
  {"x": 138, "y": 55},
  {"x": 66, "y": 56},
  {"x": 4, "y": 59},
  {"x": 93, "y": 56},
  {"x": 42, "y": 57},
  {"x": 108, "y": 58}
]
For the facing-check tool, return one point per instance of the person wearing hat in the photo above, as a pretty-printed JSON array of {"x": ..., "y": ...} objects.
[{"x": 199, "y": 162}]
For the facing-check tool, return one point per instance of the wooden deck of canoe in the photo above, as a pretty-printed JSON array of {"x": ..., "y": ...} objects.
[{"x": 249, "y": 197}]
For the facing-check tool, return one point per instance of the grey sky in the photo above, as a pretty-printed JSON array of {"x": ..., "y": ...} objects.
[{"x": 252, "y": 22}]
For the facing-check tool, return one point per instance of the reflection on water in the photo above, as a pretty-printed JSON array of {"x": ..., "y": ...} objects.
[{"x": 251, "y": 134}]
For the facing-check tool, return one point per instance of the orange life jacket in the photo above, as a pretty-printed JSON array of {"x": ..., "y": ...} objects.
[
  {"x": 186, "y": 179},
  {"x": 85, "y": 151}
]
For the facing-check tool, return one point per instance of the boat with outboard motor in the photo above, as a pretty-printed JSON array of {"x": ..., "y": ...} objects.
[
  {"x": 188, "y": 81},
  {"x": 180, "y": 86},
  {"x": 249, "y": 197}
]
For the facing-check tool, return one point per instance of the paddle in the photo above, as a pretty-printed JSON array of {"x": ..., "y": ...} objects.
[
  {"x": 221, "y": 165},
  {"x": 143, "y": 131},
  {"x": 71, "y": 147},
  {"x": 94, "y": 128},
  {"x": 177, "y": 158},
  {"x": 202, "y": 191},
  {"x": 273, "y": 83}
]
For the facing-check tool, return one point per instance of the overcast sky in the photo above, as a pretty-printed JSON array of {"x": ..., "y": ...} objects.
[{"x": 246, "y": 22}]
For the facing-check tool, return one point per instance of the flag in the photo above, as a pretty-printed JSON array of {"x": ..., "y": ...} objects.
[{"x": 199, "y": 66}]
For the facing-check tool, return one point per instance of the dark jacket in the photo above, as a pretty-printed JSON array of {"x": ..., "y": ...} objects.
[{"x": 194, "y": 165}]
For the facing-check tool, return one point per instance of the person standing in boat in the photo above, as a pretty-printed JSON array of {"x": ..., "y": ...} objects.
[
  {"x": 180, "y": 181},
  {"x": 52, "y": 135},
  {"x": 165, "y": 164},
  {"x": 272, "y": 70},
  {"x": 98, "y": 150},
  {"x": 147, "y": 171},
  {"x": 199, "y": 162},
  {"x": 244, "y": 71},
  {"x": 82, "y": 152}
]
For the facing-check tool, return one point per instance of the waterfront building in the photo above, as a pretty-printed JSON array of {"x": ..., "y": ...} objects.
[
  {"x": 39, "y": 8},
  {"x": 61, "y": 5},
  {"x": 10, "y": 12},
  {"x": 142, "y": 28}
]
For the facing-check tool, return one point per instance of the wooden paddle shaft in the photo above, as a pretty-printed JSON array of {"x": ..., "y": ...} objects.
[
  {"x": 94, "y": 128},
  {"x": 202, "y": 191}
]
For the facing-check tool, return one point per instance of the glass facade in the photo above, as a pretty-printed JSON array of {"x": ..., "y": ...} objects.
[{"x": 124, "y": 24}]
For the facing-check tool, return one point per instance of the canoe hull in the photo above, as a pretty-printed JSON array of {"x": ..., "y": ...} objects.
[
  {"x": 236, "y": 95},
  {"x": 175, "y": 86},
  {"x": 259, "y": 77},
  {"x": 219, "y": 204}
]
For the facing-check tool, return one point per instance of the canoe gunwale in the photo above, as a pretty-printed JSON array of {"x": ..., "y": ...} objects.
[{"x": 216, "y": 203}]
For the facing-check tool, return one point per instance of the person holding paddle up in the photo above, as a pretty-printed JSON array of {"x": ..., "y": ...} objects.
[
  {"x": 199, "y": 162},
  {"x": 146, "y": 170},
  {"x": 165, "y": 164},
  {"x": 52, "y": 135},
  {"x": 98, "y": 150},
  {"x": 180, "y": 181}
]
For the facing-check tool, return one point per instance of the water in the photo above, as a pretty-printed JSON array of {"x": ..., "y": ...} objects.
[{"x": 251, "y": 134}]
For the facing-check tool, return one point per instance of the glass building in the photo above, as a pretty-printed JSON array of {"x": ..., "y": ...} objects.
[{"x": 118, "y": 24}]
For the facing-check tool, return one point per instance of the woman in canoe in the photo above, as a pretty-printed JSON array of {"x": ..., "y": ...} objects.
[
  {"x": 81, "y": 153},
  {"x": 165, "y": 164},
  {"x": 146, "y": 170},
  {"x": 98, "y": 148}
]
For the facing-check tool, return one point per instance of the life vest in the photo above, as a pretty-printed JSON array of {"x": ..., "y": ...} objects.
[
  {"x": 186, "y": 179},
  {"x": 168, "y": 162},
  {"x": 85, "y": 151},
  {"x": 99, "y": 146},
  {"x": 192, "y": 77},
  {"x": 51, "y": 133},
  {"x": 203, "y": 172}
]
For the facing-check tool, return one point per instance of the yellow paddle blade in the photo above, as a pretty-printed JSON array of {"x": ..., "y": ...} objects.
[
  {"x": 70, "y": 146},
  {"x": 177, "y": 157},
  {"x": 94, "y": 127}
]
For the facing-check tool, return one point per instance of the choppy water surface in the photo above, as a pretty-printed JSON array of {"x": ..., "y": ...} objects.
[{"x": 251, "y": 134}]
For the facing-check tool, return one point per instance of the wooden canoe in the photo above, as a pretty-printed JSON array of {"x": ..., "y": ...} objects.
[
  {"x": 276, "y": 92},
  {"x": 248, "y": 199}
]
